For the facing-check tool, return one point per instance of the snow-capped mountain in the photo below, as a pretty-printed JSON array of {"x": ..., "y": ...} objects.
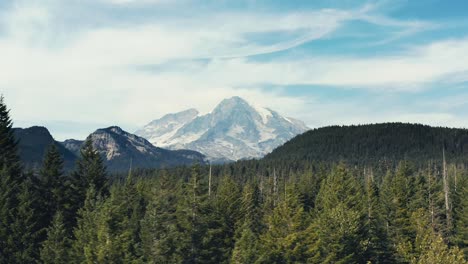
[{"x": 234, "y": 130}]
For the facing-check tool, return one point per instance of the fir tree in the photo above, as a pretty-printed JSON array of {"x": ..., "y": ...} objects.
[
  {"x": 338, "y": 229},
  {"x": 56, "y": 249},
  {"x": 283, "y": 240},
  {"x": 25, "y": 230},
  {"x": 461, "y": 217},
  {"x": 52, "y": 185},
  {"x": 11, "y": 179},
  {"x": 160, "y": 232},
  {"x": 90, "y": 171},
  {"x": 90, "y": 229},
  {"x": 246, "y": 249},
  {"x": 8, "y": 145}
]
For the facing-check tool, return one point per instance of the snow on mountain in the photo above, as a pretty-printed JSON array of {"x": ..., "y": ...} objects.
[{"x": 234, "y": 130}]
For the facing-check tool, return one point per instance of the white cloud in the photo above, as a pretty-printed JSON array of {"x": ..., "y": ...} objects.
[{"x": 91, "y": 75}]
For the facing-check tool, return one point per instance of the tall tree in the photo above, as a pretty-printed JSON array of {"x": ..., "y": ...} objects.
[
  {"x": 461, "y": 216},
  {"x": 56, "y": 249},
  {"x": 8, "y": 145},
  {"x": 52, "y": 185},
  {"x": 13, "y": 197},
  {"x": 398, "y": 190},
  {"x": 283, "y": 239},
  {"x": 90, "y": 171},
  {"x": 160, "y": 232},
  {"x": 338, "y": 231}
]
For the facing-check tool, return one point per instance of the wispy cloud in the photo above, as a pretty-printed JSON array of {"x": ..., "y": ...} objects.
[{"x": 93, "y": 72}]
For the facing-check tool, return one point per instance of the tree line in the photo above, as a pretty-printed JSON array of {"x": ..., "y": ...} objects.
[{"x": 247, "y": 212}]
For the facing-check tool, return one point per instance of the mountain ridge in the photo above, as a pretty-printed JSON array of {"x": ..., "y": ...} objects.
[{"x": 119, "y": 150}]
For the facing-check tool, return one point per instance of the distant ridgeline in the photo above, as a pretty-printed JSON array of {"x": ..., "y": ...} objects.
[{"x": 382, "y": 145}]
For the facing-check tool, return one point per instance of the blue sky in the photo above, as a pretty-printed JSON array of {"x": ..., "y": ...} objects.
[{"x": 78, "y": 65}]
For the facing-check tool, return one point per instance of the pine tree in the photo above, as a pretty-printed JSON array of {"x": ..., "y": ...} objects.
[
  {"x": 11, "y": 179},
  {"x": 246, "y": 248},
  {"x": 25, "y": 229},
  {"x": 90, "y": 171},
  {"x": 398, "y": 191},
  {"x": 123, "y": 210},
  {"x": 377, "y": 248},
  {"x": 160, "y": 232},
  {"x": 461, "y": 216},
  {"x": 90, "y": 230},
  {"x": 8, "y": 145},
  {"x": 56, "y": 249},
  {"x": 283, "y": 239},
  {"x": 190, "y": 213},
  {"x": 221, "y": 222},
  {"x": 429, "y": 246},
  {"x": 52, "y": 185},
  {"x": 337, "y": 232}
]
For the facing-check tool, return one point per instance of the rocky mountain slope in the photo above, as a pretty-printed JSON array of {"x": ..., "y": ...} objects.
[
  {"x": 117, "y": 147},
  {"x": 120, "y": 149}
]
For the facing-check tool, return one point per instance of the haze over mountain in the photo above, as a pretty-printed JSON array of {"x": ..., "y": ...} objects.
[
  {"x": 33, "y": 143},
  {"x": 234, "y": 130},
  {"x": 119, "y": 150}
]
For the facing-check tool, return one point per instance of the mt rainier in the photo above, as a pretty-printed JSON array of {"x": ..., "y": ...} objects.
[{"x": 234, "y": 130}]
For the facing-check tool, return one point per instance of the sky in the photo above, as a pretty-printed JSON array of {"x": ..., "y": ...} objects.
[{"x": 78, "y": 65}]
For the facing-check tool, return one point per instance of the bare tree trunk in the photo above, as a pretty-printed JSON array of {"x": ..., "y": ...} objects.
[
  {"x": 209, "y": 183},
  {"x": 431, "y": 202},
  {"x": 446, "y": 191},
  {"x": 275, "y": 186}
]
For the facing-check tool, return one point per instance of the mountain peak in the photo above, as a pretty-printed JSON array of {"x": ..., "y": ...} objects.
[
  {"x": 232, "y": 101},
  {"x": 115, "y": 129},
  {"x": 234, "y": 130}
]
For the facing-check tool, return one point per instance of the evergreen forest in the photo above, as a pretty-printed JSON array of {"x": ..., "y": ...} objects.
[{"x": 291, "y": 207}]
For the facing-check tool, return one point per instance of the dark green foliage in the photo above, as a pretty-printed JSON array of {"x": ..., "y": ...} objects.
[
  {"x": 382, "y": 145},
  {"x": 52, "y": 185},
  {"x": 25, "y": 229},
  {"x": 56, "y": 248},
  {"x": 461, "y": 216},
  {"x": 340, "y": 219},
  {"x": 9, "y": 158},
  {"x": 89, "y": 171}
]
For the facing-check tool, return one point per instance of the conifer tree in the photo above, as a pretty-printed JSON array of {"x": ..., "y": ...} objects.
[
  {"x": 85, "y": 247},
  {"x": 429, "y": 246},
  {"x": 160, "y": 232},
  {"x": 190, "y": 213},
  {"x": 25, "y": 229},
  {"x": 377, "y": 248},
  {"x": 123, "y": 210},
  {"x": 246, "y": 248},
  {"x": 461, "y": 216},
  {"x": 398, "y": 191},
  {"x": 9, "y": 158},
  {"x": 337, "y": 232},
  {"x": 90, "y": 171},
  {"x": 11, "y": 179},
  {"x": 221, "y": 221},
  {"x": 52, "y": 185},
  {"x": 56, "y": 249},
  {"x": 283, "y": 239}
]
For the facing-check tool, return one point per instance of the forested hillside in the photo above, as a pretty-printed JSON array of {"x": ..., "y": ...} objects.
[
  {"x": 247, "y": 212},
  {"x": 377, "y": 144}
]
